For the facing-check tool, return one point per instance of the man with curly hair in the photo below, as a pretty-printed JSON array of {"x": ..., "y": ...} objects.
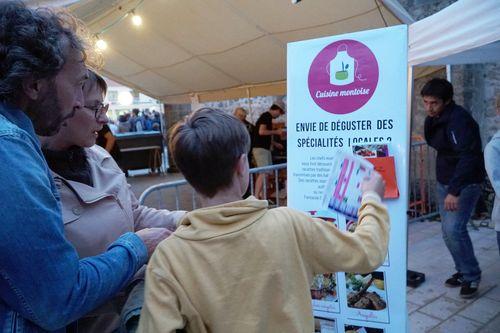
[{"x": 43, "y": 284}]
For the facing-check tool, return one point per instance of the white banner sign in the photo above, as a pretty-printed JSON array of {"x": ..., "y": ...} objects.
[{"x": 347, "y": 94}]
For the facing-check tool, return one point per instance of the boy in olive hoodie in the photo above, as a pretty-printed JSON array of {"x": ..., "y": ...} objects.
[{"x": 235, "y": 265}]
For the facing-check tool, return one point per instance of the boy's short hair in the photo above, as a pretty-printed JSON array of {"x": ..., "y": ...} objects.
[
  {"x": 439, "y": 88},
  {"x": 206, "y": 147}
]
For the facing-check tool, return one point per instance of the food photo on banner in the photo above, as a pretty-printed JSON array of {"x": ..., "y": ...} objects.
[
  {"x": 362, "y": 329},
  {"x": 366, "y": 293},
  {"x": 325, "y": 326},
  {"x": 347, "y": 116}
]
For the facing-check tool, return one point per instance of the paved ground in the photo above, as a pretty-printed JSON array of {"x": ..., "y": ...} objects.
[
  {"x": 435, "y": 308},
  {"x": 432, "y": 307}
]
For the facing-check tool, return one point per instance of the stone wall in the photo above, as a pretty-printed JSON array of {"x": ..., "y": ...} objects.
[
  {"x": 420, "y": 9},
  {"x": 475, "y": 85},
  {"x": 417, "y": 106},
  {"x": 254, "y": 105}
]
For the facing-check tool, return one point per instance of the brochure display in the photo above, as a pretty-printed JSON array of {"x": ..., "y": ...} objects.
[
  {"x": 342, "y": 192},
  {"x": 347, "y": 116}
]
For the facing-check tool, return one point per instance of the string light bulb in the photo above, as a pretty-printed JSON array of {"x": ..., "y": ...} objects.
[
  {"x": 101, "y": 44},
  {"x": 125, "y": 98},
  {"x": 136, "y": 19}
]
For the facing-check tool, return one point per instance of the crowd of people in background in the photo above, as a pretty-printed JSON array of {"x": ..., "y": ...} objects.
[{"x": 137, "y": 121}]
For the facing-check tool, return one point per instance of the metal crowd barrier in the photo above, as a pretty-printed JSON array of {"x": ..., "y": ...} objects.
[
  {"x": 273, "y": 190},
  {"x": 422, "y": 203},
  {"x": 422, "y": 188}
]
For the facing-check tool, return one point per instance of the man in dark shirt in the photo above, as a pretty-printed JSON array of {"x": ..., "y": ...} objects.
[
  {"x": 262, "y": 143},
  {"x": 452, "y": 131}
]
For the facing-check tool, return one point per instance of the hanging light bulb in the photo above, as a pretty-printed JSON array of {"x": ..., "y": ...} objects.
[
  {"x": 125, "y": 98},
  {"x": 136, "y": 19},
  {"x": 101, "y": 44}
]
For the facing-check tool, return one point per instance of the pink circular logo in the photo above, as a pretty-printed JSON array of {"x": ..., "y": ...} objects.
[{"x": 343, "y": 76}]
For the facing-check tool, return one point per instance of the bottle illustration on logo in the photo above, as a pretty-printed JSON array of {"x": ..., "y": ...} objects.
[{"x": 342, "y": 67}]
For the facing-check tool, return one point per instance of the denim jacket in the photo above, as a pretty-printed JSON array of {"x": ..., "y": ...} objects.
[{"x": 43, "y": 284}]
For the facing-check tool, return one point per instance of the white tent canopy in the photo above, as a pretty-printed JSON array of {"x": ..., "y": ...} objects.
[
  {"x": 206, "y": 50},
  {"x": 218, "y": 49},
  {"x": 467, "y": 31}
]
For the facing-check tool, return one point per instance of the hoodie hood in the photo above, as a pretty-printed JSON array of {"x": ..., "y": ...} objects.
[{"x": 214, "y": 221}]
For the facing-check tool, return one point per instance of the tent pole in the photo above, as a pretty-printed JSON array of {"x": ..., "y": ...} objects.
[
  {"x": 413, "y": 278},
  {"x": 249, "y": 100},
  {"x": 399, "y": 11}
]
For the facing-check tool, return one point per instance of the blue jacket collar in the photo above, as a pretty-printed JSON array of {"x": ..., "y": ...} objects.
[{"x": 17, "y": 117}]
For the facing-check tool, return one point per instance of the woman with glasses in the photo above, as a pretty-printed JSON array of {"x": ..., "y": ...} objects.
[{"x": 97, "y": 203}]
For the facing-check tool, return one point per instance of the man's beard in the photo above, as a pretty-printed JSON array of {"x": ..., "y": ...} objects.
[{"x": 46, "y": 114}]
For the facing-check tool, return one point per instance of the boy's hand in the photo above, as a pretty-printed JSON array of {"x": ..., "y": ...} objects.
[
  {"x": 152, "y": 237},
  {"x": 374, "y": 183}
]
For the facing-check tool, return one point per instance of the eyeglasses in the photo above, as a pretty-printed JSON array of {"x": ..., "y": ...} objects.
[{"x": 99, "y": 109}]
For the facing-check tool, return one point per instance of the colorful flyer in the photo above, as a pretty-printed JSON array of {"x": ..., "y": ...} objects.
[
  {"x": 386, "y": 167},
  {"x": 343, "y": 189},
  {"x": 347, "y": 96}
]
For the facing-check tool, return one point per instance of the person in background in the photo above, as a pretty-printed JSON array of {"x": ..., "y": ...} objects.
[
  {"x": 452, "y": 131},
  {"x": 105, "y": 137},
  {"x": 492, "y": 163},
  {"x": 147, "y": 121},
  {"x": 44, "y": 284},
  {"x": 134, "y": 119},
  {"x": 262, "y": 143},
  {"x": 156, "y": 126},
  {"x": 124, "y": 125},
  {"x": 235, "y": 265},
  {"x": 113, "y": 127},
  {"x": 241, "y": 114},
  {"x": 98, "y": 205}
]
